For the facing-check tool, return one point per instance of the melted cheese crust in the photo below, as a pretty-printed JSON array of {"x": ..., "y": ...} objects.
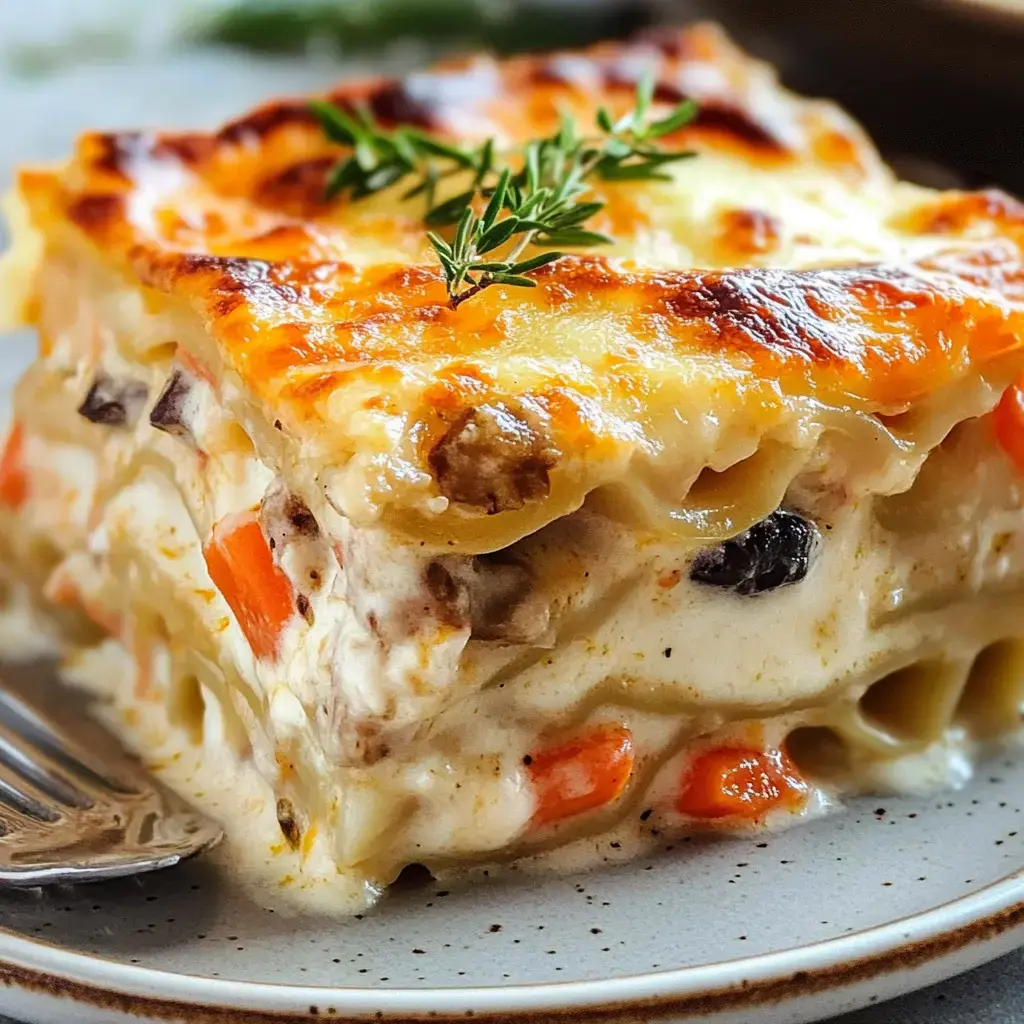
[{"x": 782, "y": 286}]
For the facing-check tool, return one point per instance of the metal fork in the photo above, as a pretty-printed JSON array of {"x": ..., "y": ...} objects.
[{"x": 74, "y": 807}]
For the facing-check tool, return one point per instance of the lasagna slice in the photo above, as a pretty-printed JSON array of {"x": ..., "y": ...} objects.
[{"x": 716, "y": 525}]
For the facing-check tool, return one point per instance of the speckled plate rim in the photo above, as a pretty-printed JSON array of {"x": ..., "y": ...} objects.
[{"x": 994, "y": 911}]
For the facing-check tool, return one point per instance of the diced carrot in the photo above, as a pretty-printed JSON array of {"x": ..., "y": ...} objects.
[
  {"x": 1008, "y": 421},
  {"x": 257, "y": 591},
  {"x": 13, "y": 476},
  {"x": 740, "y": 782},
  {"x": 582, "y": 774}
]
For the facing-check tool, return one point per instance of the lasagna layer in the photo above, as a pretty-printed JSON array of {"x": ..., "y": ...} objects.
[{"x": 705, "y": 533}]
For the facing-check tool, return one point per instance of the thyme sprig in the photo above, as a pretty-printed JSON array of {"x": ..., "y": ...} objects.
[
  {"x": 543, "y": 203},
  {"x": 381, "y": 158}
]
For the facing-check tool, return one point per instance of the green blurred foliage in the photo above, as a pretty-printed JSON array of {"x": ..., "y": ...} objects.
[{"x": 281, "y": 27}]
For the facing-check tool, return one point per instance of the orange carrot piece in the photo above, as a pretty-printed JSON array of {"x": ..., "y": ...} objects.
[
  {"x": 13, "y": 476},
  {"x": 1008, "y": 421},
  {"x": 740, "y": 782},
  {"x": 257, "y": 591},
  {"x": 582, "y": 774}
]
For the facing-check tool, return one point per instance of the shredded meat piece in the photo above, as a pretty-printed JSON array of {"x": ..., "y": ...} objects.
[
  {"x": 494, "y": 597},
  {"x": 452, "y": 600},
  {"x": 492, "y": 458}
]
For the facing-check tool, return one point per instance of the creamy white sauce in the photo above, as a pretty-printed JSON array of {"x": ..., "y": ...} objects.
[
  {"x": 398, "y": 738},
  {"x": 670, "y": 658}
]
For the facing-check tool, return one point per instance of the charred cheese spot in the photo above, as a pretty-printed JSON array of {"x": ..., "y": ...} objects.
[
  {"x": 264, "y": 121},
  {"x": 960, "y": 211},
  {"x": 97, "y": 214},
  {"x": 824, "y": 318},
  {"x": 395, "y": 103},
  {"x": 189, "y": 149},
  {"x": 491, "y": 458},
  {"x": 742, "y": 125},
  {"x": 748, "y": 233},
  {"x": 300, "y": 186},
  {"x": 115, "y": 153}
]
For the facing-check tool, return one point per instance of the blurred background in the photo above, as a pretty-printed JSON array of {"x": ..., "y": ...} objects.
[{"x": 938, "y": 82}]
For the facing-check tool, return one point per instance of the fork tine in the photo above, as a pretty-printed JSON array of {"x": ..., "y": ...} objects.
[
  {"x": 49, "y": 737},
  {"x": 74, "y": 807},
  {"x": 32, "y": 763},
  {"x": 20, "y": 794}
]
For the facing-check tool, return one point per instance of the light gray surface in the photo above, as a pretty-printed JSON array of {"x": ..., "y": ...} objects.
[{"x": 41, "y": 115}]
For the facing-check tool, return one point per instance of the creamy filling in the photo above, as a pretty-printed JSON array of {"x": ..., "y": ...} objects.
[
  {"x": 385, "y": 733},
  {"x": 396, "y": 719}
]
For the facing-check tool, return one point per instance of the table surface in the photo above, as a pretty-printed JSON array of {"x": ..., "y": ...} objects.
[{"x": 42, "y": 111}]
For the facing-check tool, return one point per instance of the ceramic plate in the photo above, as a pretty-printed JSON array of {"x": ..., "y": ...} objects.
[{"x": 895, "y": 895}]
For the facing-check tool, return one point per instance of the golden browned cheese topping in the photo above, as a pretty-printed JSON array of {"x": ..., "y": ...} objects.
[{"x": 782, "y": 269}]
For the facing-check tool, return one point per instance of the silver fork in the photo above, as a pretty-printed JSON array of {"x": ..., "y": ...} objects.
[{"x": 74, "y": 807}]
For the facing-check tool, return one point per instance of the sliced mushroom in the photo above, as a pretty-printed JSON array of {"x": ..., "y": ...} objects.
[
  {"x": 296, "y": 543},
  {"x": 171, "y": 412},
  {"x": 776, "y": 552},
  {"x": 285, "y": 517},
  {"x": 114, "y": 401}
]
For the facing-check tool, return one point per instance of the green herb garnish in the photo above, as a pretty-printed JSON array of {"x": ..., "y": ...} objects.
[
  {"x": 541, "y": 204},
  {"x": 380, "y": 158}
]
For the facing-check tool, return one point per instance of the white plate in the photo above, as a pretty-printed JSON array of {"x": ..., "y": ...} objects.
[{"x": 824, "y": 919}]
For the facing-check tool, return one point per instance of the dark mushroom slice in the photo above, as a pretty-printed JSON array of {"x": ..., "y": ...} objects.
[
  {"x": 114, "y": 401},
  {"x": 169, "y": 413},
  {"x": 289, "y": 526},
  {"x": 776, "y": 552},
  {"x": 285, "y": 517}
]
